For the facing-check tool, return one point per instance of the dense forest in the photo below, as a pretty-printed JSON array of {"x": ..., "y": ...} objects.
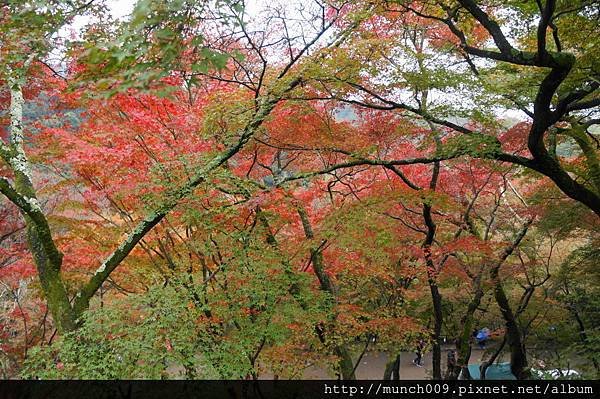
[{"x": 234, "y": 189}]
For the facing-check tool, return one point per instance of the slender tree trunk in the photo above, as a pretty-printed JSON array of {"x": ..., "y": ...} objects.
[
  {"x": 582, "y": 332},
  {"x": 486, "y": 364},
  {"x": 345, "y": 363},
  {"x": 436, "y": 361},
  {"x": 463, "y": 344},
  {"x": 514, "y": 339},
  {"x": 436, "y": 296}
]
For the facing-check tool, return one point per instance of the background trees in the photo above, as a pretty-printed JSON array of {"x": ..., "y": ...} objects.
[{"x": 207, "y": 193}]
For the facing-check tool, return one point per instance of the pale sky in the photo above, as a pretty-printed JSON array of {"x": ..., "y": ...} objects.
[{"x": 122, "y": 8}]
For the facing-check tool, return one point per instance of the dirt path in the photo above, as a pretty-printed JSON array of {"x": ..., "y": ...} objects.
[{"x": 373, "y": 364}]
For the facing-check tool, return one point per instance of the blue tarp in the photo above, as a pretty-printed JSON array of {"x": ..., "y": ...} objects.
[
  {"x": 496, "y": 371},
  {"x": 483, "y": 334}
]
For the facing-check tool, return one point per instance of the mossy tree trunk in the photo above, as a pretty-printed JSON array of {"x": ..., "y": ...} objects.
[{"x": 47, "y": 257}]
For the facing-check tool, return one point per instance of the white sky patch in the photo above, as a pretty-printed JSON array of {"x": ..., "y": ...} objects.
[
  {"x": 121, "y": 9},
  {"x": 254, "y": 10}
]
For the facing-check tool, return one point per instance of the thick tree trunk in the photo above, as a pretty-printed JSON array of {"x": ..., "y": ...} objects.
[
  {"x": 47, "y": 258},
  {"x": 392, "y": 368},
  {"x": 51, "y": 282},
  {"x": 345, "y": 363},
  {"x": 48, "y": 262},
  {"x": 570, "y": 187},
  {"x": 543, "y": 115},
  {"x": 518, "y": 355}
]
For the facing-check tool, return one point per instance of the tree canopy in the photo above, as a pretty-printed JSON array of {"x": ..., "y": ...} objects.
[{"x": 204, "y": 190}]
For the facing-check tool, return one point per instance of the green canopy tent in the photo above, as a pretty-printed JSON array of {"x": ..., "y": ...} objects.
[{"x": 496, "y": 371}]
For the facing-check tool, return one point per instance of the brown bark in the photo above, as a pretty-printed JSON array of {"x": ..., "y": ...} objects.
[
  {"x": 463, "y": 343},
  {"x": 345, "y": 363},
  {"x": 436, "y": 296},
  {"x": 392, "y": 368},
  {"x": 514, "y": 339}
]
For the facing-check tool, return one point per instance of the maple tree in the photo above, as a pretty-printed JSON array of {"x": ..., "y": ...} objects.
[
  {"x": 195, "y": 192},
  {"x": 562, "y": 102}
]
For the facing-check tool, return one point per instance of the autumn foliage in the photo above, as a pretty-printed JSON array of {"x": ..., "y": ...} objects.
[{"x": 275, "y": 194}]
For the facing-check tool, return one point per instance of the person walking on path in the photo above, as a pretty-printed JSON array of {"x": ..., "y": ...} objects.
[
  {"x": 419, "y": 352},
  {"x": 450, "y": 363}
]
